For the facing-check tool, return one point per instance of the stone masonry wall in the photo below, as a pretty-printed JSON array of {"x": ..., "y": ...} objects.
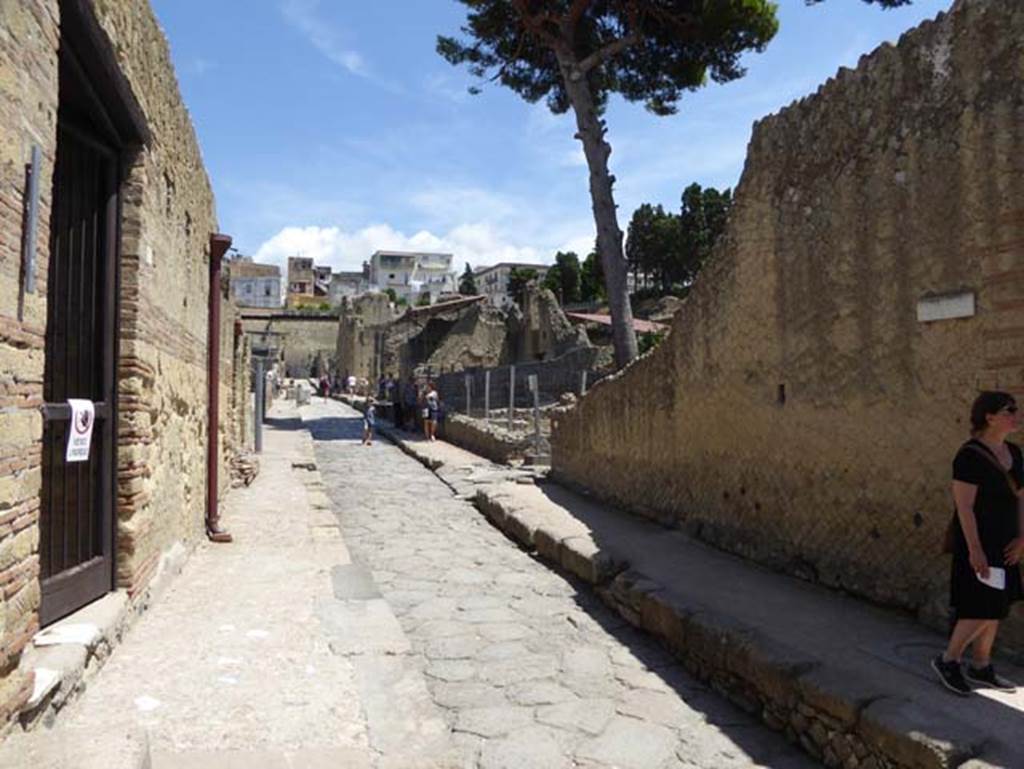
[
  {"x": 168, "y": 215},
  {"x": 799, "y": 414},
  {"x": 28, "y": 111},
  {"x": 302, "y": 338}
]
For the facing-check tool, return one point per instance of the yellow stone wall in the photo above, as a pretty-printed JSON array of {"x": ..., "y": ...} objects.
[
  {"x": 168, "y": 215},
  {"x": 896, "y": 181}
]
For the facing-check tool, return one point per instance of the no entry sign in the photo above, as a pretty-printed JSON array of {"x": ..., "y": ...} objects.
[{"x": 83, "y": 417}]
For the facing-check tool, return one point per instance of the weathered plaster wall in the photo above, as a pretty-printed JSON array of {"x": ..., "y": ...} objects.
[
  {"x": 168, "y": 214},
  {"x": 301, "y": 338},
  {"x": 902, "y": 179}
]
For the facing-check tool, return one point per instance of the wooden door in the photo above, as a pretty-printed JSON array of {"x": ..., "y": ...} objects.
[{"x": 76, "y": 521}]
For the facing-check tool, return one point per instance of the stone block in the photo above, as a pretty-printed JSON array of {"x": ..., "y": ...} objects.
[
  {"x": 20, "y": 429},
  {"x": 666, "y": 616},
  {"x": 837, "y": 693},
  {"x": 913, "y": 736},
  {"x": 584, "y": 558},
  {"x": 490, "y": 504},
  {"x": 18, "y": 547},
  {"x": 769, "y": 666}
]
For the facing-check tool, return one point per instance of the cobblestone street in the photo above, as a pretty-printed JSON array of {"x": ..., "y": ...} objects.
[{"x": 526, "y": 667}]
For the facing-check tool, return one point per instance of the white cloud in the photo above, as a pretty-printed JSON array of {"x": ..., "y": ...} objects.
[
  {"x": 302, "y": 14},
  {"x": 477, "y": 243},
  {"x": 199, "y": 66},
  {"x": 446, "y": 204}
]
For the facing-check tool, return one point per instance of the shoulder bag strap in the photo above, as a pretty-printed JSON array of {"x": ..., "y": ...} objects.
[{"x": 977, "y": 448}]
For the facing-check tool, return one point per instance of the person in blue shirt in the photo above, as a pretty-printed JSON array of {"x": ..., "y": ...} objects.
[{"x": 369, "y": 421}]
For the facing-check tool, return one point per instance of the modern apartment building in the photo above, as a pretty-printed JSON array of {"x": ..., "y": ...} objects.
[
  {"x": 308, "y": 284},
  {"x": 254, "y": 284},
  {"x": 412, "y": 274},
  {"x": 493, "y": 281}
]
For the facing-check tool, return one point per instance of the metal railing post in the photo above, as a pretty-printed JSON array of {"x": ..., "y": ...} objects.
[
  {"x": 583, "y": 383},
  {"x": 258, "y": 395},
  {"x": 511, "y": 396},
  {"x": 536, "y": 412},
  {"x": 469, "y": 390},
  {"x": 487, "y": 396}
]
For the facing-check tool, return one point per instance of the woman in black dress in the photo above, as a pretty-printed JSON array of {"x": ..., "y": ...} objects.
[{"x": 988, "y": 472}]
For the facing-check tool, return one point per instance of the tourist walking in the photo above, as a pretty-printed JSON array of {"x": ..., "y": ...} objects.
[
  {"x": 985, "y": 540},
  {"x": 432, "y": 403},
  {"x": 369, "y": 421}
]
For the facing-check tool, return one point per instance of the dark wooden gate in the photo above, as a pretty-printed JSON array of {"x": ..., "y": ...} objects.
[{"x": 76, "y": 545}]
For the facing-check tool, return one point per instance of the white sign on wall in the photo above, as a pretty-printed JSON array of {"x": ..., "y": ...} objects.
[
  {"x": 946, "y": 307},
  {"x": 83, "y": 417}
]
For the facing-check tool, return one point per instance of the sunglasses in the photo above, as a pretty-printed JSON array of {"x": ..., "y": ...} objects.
[{"x": 1011, "y": 409}]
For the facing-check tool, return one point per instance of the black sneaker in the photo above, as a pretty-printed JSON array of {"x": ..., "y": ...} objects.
[
  {"x": 951, "y": 676},
  {"x": 988, "y": 677}
]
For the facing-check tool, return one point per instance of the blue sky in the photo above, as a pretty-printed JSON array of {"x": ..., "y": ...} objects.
[{"x": 332, "y": 128}]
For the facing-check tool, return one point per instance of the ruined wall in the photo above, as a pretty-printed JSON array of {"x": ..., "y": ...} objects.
[
  {"x": 359, "y": 335},
  {"x": 799, "y": 414},
  {"x": 301, "y": 338},
  {"x": 540, "y": 330},
  {"x": 167, "y": 217},
  {"x": 479, "y": 337}
]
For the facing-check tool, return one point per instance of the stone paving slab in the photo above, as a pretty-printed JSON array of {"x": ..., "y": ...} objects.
[
  {"x": 232, "y": 659},
  {"x": 525, "y": 664},
  {"x": 826, "y": 670}
]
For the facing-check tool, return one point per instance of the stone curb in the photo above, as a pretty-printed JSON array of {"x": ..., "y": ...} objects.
[
  {"x": 829, "y": 714},
  {"x": 835, "y": 718}
]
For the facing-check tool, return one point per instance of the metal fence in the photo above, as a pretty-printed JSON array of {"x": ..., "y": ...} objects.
[{"x": 516, "y": 398}]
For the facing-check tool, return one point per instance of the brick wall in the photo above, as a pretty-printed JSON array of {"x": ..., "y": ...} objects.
[
  {"x": 799, "y": 414},
  {"x": 168, "y": 214}
]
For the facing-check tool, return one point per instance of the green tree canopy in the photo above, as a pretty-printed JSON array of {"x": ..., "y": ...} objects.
[
  {"x": 702, "y": 218},
  {"x": 669, "y": 249},
  {"x": 467, "y": 283},
  {"x": 563, "y": 278},
  {"x": 592, "y": 284},
  {"x": 518, "y": 279},
  {"x": 576, "y": 53}
]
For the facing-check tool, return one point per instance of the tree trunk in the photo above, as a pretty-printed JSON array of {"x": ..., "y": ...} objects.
[{"x": 590, "y": 131}]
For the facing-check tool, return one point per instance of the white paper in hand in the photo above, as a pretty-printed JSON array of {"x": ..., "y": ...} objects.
[{"x": 996, "y": 578}]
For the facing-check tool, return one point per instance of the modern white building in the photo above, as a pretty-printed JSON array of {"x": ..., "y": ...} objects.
[
  {"x": 348, "y": 284},
  {"x": 492, "y": 281},
  {"x": 411, "y": 274},
  {"x": 254, "y": 284}
]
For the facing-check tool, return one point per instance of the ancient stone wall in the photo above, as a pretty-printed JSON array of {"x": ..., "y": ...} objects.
[
  {"x": 541, "y": 330},
  {"x": 800, "y": 414},
  {"x": 478, "y": 337},
  {"x": 28, "y": 108},
  {"x": 167, "y": 217},
  {"x": 300, "y": 337},
  {"x": 360, "y": 331}
]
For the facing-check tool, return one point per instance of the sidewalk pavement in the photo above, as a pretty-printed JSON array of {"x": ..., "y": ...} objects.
[
  {"x": 836, "y": 674},
  {"x": 246, "y": 661}
]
